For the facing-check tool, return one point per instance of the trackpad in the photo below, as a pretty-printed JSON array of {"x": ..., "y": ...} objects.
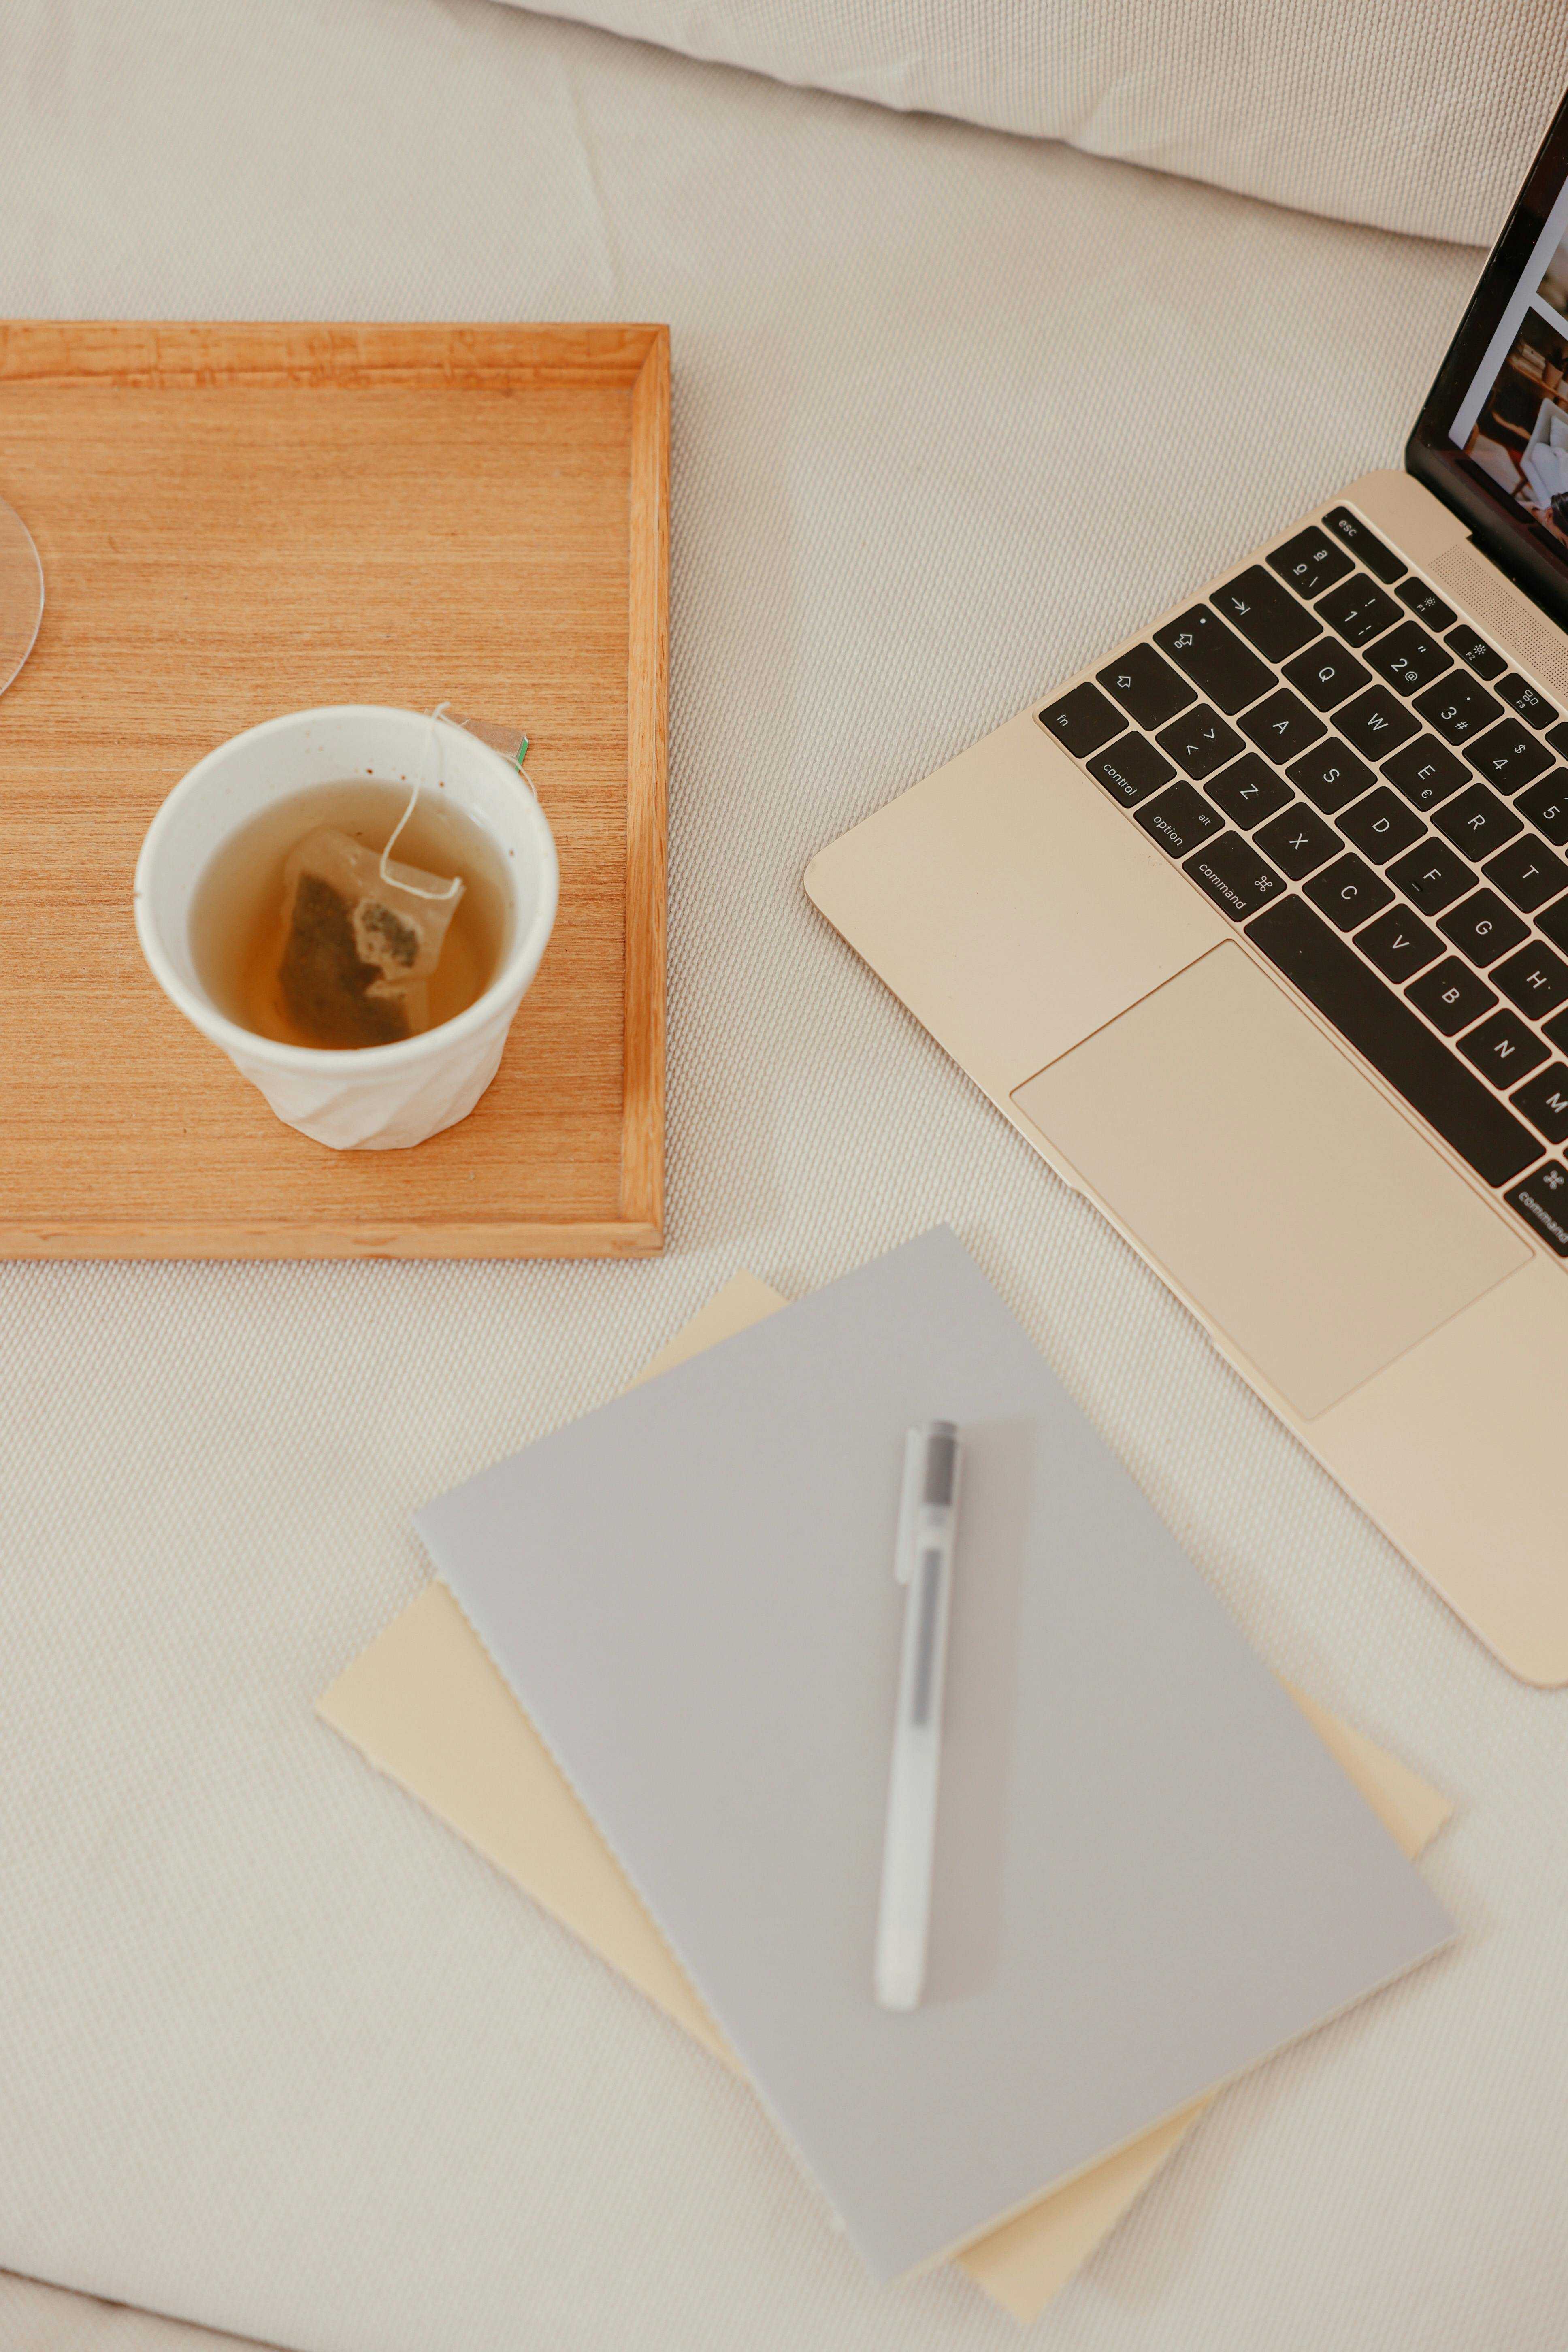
[{"x": 1303, "y": 1215}]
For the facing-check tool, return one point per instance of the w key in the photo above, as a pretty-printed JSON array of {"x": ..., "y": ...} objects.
[{"x": 1214, "y": 659}]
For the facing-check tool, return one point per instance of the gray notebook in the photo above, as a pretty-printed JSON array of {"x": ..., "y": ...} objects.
[{"x": 1150, "y": 1873}]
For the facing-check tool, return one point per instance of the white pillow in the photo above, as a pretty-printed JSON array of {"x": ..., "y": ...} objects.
[
  {"x": 1412, "y": 114},
  {"x": 1557, "y": 431}
]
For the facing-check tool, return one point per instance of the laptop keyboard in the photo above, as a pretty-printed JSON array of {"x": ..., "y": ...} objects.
[{"x": 1356, "y": 777}]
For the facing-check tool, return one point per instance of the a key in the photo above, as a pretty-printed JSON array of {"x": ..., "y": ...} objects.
[
  {"x": 1536, "y": 980},
  {"x": 1266, "y": 615},
  {"x": 1502, "y": 1048},
  {"x": 1432, "y": 876},
  {"x": 1426, "y": 772},
  {"x": 1482, "y": 928},
  {"x": 1457, "y": 709},
  {"x": 1527, "y": 872},
  {"x": 1082, "y": 720},
  {"x": 1521, "y": 696},
  {"x": 1507, "y": 756},
  {"x": 1476, "y": 822},
  {"x": 1330, "y": 775},
  {"x": 1233, "y": 875},
  {"x": 1200, "y": 742},
  {"x": 1149, "y": 689},
  {"x": 1248, "y": 791},
  {"x": 1475, "y": 652},
  {"x": 1325, "y": 674},
  {"x": 1353, "y": 533},
  {"x": 1381, "y": 825},
  {"x": 1408, "y": 658},
  {"x": 1299, "y": 840},
  {"x": 1331, "y": 976},
  {"x": 1376, "y": 722},
  {"x": 1357, "y": 610},
  {"x": 1214, "y": 659},
  {"x": 1311, "y": 562},
  {"x": 1398, "y": 943},
  {"x": 1179, "y": 820},
  {"x": 1283, "y": 726},
  {"x": 1451, "y": 995},
  {"x": 1348, "y": 891}
]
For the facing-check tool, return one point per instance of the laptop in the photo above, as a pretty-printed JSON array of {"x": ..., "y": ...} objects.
[{"x": 1258, "y": 933}]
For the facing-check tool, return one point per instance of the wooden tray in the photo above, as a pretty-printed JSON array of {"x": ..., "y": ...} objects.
[{"x": 238, "y": 520}]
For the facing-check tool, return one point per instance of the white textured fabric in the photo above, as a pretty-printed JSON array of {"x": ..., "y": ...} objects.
[
  {"x": 1419, "y": 115},
  {"x": 277, "y": 2054}
]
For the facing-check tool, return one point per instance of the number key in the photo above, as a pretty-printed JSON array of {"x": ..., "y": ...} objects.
[
  {"x": 1508, "y": 756},
  {"x": 1546, "y": 805},
  {"x": 1357, "y": 610},
  {"x": 1408, "y": 658},
  {"x": 1457, "y": 709}
]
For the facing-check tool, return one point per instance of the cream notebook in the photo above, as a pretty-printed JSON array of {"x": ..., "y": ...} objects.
[{"x": 424, "y": 1703}]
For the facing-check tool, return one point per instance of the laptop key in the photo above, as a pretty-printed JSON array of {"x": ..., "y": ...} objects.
[
  {"x": 1408, "y": 658},
  {"x": 1558, "y": 739},
  {"x": 1214, "y": 659},
  {"x": 1235, "y": 878},
  {"x": 1457, "y": 709},
  {"x": 1358, "y": 611},
  {"x": 1542, "y": 1201},
  {"x": 1451, "y": 995},
  {"x": 1326, "y": 674},
  {"x": 1475, "y": 652},
  {"x": 1426, "y": 603},
  {"x": 1248, "y": 791},
  {"x": 1482, "y": 928},
  {"x": 1521, "y": 696},
  {"x": 1507, "y": 756},
  {"x": 1376, "y": 723},
  {"x": 1200, "y": 742},
  {"x": 1082, "y": 720},
  {"x": 1348, "y": 891},
  {"x": 1149, "y": 689},
  {"x": 1502, "y": 1048},
  {"x": 1431, "y": 877},
  {"x": 1553, "y": 921},
  {"x": 1476, "y": 822},
  {"x": 1299, "y": 840},
  {"x": 1527, "y": 872},
  {"x": 1546, "y": 805},
  {"x": 1535, "y": 980},
  {"x": 1130, "y": 770},
  {"x": 1381, "y": 825},
  {"x": 1268, "y": 616},
  {"x": 1353, "y": 533},
  {"x": 1543, "y": 1099},
  {"x": 1330, "y": 775},
  {"x": 1398, "y": 943},
  {"x": 1426, "y": 772},
  {"x": 1460, "y": 1107},
  {"x": 1283, "y": 726},
  {"x": 1311, "y": 562},
  {"x": 1179, "y": 820}
]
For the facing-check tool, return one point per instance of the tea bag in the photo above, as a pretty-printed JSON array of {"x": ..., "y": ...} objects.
[{"x": 362, "y": 936}]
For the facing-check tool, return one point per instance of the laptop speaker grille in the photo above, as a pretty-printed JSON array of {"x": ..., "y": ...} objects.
[{"x": 1500, "y": 608}]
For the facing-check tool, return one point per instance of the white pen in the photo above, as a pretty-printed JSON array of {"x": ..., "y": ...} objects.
[{"x": 923, "y": 1562}]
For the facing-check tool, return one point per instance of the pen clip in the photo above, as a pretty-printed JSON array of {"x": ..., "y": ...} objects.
[{"x": 909, "y": 1504}]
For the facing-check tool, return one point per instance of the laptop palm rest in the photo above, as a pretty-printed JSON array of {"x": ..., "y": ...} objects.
[{"x": 1308, "y": 1221}]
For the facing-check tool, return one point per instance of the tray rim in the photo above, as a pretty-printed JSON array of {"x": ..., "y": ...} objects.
[{"x": 146, "y": 354}]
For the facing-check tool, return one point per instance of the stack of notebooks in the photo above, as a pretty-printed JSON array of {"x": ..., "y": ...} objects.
[{"x": 654, "y": 1683}]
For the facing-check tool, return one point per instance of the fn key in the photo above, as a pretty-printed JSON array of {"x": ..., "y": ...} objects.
[{"x": 1235, "y": 877}]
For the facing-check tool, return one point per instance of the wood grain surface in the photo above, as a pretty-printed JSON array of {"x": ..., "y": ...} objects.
[{"x": 239, "y": 520}]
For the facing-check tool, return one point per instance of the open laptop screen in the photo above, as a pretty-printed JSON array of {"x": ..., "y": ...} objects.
[{"x": 1492, "y": 438}]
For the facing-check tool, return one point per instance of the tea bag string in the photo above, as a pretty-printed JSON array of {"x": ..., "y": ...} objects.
[{"x": 449, "y": 889}]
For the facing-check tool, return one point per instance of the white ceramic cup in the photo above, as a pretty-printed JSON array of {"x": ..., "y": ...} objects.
[{"x": 379, "y": 1098}]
